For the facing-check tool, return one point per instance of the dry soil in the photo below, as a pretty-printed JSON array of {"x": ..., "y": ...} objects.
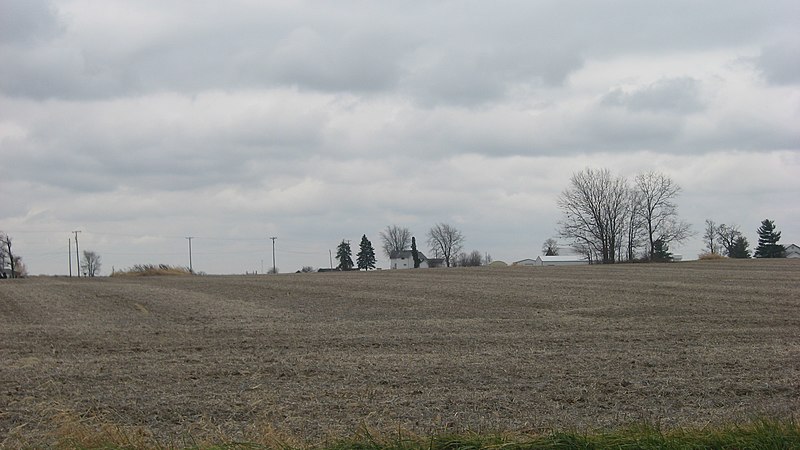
[{"x": 320, "y": 354}]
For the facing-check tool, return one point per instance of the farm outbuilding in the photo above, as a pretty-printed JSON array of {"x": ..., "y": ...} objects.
[
  {"x": 568, "y": 260},
  {"x": 525, "y": 262},
  {"x": 792, "y": 251}
]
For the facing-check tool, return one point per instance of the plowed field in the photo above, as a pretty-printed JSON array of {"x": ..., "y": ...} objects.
[{"x": 321, "y": 354}]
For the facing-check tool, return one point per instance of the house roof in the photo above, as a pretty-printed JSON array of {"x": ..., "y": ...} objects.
[
  {"x": 565, "y": 258},
  {"x": 406, "y": 254}
]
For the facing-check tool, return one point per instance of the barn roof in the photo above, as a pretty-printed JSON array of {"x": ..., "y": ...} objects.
[{"x": 565, "y": 258}]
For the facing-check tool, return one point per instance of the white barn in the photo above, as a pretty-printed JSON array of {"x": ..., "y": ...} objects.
[{"x": 792, "y": 251}]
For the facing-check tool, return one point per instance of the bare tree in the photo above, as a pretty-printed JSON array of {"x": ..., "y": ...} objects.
[
  {"x": 595, "y": 206},
  {"x": 659, "y": 212},
  {"x": 634, "y": 229},
  {"x": 445, "y": 241},
  {"x": 473, "y": 259},
  {"x": 3, "y": 257},
  {"x": 8, "y": 254},
  {"x": 550, "y": 247},
  {"x": 90, "y": 263},
  {"x": 710, "y": 234},
  {"x": 728, "y": 236},
  {"x": 395, "y": 239}
]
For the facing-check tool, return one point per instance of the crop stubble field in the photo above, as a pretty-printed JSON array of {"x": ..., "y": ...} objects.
[{"x": 316, "y": 355}]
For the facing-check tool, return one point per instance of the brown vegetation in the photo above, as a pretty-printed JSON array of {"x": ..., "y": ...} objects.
[
  {"x": 320, "y": 354},
  {"x": 151, "y": 270},
  {"x": 706, "y": 256}
]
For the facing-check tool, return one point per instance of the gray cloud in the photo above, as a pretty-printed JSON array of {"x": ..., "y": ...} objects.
[
  {"x": 433, "y": 52},
  {"x": 780, "y": 63},
  {"x": 25, "y": 22},
  {"x": 679, "y": 95},
  {"x": 321, "y": 121}
]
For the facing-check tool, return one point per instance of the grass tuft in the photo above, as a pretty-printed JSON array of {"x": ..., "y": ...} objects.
[
  {"x": 150, "y": 270},
  {"x": 710, "y": 257}
]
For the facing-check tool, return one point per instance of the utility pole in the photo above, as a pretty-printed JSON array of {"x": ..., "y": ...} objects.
[
  {"x": 330, "y": 255},
  {"x": 274, "y": 268},
  {"x": 69, "y": 256},
  {"x": 77, "y": 253},
  {"x": 189, "y": 238}
]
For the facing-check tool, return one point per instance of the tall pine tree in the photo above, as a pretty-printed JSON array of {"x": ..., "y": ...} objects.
[
  {"x": 365, "y": 259},
  {"x": 768, "y": 238},
  {"x": 344, "y": 255}
]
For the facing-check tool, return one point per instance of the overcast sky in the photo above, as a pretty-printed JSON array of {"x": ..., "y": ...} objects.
[{"x": 143, "y": 122}]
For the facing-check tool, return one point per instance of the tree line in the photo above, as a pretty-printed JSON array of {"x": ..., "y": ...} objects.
[
  {"x": 606, "y": 217},
  {"x": 444, "y": 241},
  {"x": 728, "y": 240},
  {"x": 610, "y": 219},
  {"x": 365, "y": 258}
]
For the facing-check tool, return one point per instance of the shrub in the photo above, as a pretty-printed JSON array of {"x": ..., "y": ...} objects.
[
  {"x": 149, "y": 270},
  {"x": 710, "y": 256}
]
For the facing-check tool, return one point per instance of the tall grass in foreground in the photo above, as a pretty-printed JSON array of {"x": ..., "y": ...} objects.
[{"x": 767, "y": 434}]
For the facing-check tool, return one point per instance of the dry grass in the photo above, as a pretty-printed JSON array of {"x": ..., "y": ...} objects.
[
  {"x": 302, "y": 357},
  {"x": 152, "y": 270},
  {"x": 710, "y": 257}
]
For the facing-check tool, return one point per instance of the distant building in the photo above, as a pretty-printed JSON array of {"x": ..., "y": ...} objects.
[
  {"x": 498, "y": 264},
  {"x": 792, "y": 251},
  {"x": 525, "y": 262},
  {"x": 405, "y": 260},
  {"x": 568, "y": 260}
]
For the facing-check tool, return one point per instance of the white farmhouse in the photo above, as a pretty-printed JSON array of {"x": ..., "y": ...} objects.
[
  {"x": 568, "y": 260},
  {"x": 792, "y": 251},
  {"x": 405, "y": 260}
]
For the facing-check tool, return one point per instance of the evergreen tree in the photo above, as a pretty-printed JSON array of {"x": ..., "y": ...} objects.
[
  {"x": 415, "y": 253},
  {"x": 661, "y": 251},
  {"x": 768, "y": 238},
  {"x": 366, "y": 254},
  {"x": 344, "y": 256},
  {"x": 740, "y": 248}
]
